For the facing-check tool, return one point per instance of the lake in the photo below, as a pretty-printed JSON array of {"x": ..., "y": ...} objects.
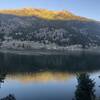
[{"x": 50, "y": 77}]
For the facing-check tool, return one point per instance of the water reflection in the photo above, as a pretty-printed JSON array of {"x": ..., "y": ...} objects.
[
  {"x": 40, "y": 76},
  {"x": 2, "y": 77},
  {"x": 10, "y": 97},
  {"x": 85, "y": 88},
  {"x": 69, "y": 63},
  {"x": 30, "y": 83},
  {"x": 37, "y": 86},
  {"x": 48, "y": 77}
]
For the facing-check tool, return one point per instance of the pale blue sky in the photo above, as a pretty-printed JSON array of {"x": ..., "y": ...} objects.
[{"x": 86, "y": 8}]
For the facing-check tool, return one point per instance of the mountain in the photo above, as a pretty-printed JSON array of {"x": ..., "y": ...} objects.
[
  {"x": 30, "y": 28},
  {"x": 44, "y": 13}
]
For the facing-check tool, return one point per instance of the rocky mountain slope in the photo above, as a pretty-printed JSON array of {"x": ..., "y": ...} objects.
[{"x": 30, "y": 28}]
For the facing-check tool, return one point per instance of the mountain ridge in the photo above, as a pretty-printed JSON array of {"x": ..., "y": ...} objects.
[{"x": 44, "y": 13}]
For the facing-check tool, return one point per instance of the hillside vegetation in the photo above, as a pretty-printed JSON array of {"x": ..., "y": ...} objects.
[{"x": 40, "y": 28}]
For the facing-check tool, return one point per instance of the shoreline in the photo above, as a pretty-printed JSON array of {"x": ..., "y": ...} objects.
[{"x": 47, "y": 51}]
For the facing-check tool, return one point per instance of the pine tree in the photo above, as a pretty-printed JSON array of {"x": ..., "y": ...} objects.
[{"x": 85, "y": 88}]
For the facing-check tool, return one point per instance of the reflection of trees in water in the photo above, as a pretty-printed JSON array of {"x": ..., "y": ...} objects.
[
  {"x": 74, "y": 63},
  {"x": 85, "y": 88},
  {"x": 70, "y": 62},
  {"x": 2, "y": 77},
  {"x": 9, "y": 97}
]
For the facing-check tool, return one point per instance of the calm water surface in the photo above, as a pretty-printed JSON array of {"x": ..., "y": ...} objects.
[{"x": 47, "y": 77}]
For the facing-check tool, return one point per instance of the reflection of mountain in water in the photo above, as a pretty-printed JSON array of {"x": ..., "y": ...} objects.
[
  {"x": 45, "y": 68},
  {"x": 72, "y": 63},
  {"x": 40, "y": 77}
]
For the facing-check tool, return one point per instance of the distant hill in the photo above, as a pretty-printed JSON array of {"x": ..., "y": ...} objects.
[
  {"x": 40, "y": 28},
  {"x": 44, "y": 13}
]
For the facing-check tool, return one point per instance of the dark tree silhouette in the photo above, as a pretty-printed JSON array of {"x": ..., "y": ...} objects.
[
  {"x": 85, "y": 88},
  {"x": 10, "y": 96},
  {"x": 2, "y": 77}
]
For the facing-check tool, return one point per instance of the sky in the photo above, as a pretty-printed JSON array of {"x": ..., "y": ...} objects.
[{"x": 86, "y": 8}]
